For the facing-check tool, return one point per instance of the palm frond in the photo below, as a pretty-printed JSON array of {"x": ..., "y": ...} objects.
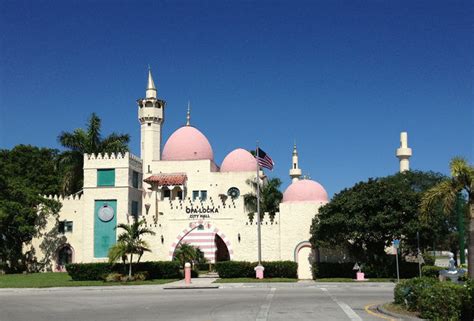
[
  {"x": 93, "y": 133},
  {"x": 444, "y": 193}
]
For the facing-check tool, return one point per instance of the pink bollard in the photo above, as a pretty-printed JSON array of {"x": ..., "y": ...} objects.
[
  {"x": 187, "y": 273},
  {"x": 360, "y": 276},
  {"x": 259, "y": 271}
]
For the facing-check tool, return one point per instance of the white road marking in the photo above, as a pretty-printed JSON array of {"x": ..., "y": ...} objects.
[
  {"x": 346, "y": 308},
  {"x": 265, "y": 307}
]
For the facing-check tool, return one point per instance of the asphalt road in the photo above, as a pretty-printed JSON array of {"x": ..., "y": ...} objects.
[{"x": 342, "y": 301}]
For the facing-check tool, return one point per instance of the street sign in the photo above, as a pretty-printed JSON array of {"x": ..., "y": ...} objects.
[{"x": 396, "y": 243}]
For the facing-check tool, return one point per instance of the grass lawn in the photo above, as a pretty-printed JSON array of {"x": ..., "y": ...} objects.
[
  {"x": 396, "y": 308},
  {"x": 252, "y": 280},
  {"x": 353, "y": 280},
  {"x": 48, "y": 280}
]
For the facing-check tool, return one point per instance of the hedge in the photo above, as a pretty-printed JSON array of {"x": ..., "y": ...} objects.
[
  {"x": 98, "y": 271},
  {"x": 345, "y": 270},
  {"x": 407, "y": 292},
  {"x": 243, "y": 269},
  {"x": 443, "y": 301},
  {"x": 431, "y": 271}
]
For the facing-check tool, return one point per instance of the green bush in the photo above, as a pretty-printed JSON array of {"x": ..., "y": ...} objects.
[
  {"x": 243, "y": 269},
  {"x": 235, "y": 269},
  {"x": 407, "y": 292},
  {"x": 114, "y": 277},
  {"x": 443, "y": 301},
  {"x": 280, "y": 269},
  {"x": 99, "y": 271},
  {"x": 431, "y": 271},
  {"x": 333, "y": 270},
  {"x": 89, "y": 271}
]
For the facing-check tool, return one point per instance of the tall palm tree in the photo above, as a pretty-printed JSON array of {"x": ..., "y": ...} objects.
[
  {"x": 446, "y": 192},
  {"x": 129, "y": 243},
  {"x": 89, "y": 141},
  {"x": 270, "y": 197}
]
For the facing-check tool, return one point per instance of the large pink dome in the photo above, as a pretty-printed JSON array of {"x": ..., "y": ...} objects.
[
  {"x": 239, "y": 160},
  {"x": 305, "y": 191},
  {"x": 187, "y": 143}
]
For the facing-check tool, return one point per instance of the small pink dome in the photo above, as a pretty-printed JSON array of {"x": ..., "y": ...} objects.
[
  {"x": 305, "y": 191},
  {"x": 187, "y": 143},
  {"x": 239, "y": 160}
]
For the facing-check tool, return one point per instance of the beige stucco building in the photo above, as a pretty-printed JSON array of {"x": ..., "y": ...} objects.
[{"x": 183, "y": 196}]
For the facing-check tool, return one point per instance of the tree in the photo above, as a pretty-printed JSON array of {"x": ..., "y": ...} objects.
[
  {"x": 130, "y": 242},
  {"x": 88, "y": 141},
  {"x": 447, "y": 191},
  {"x": 365, "y": 218},
  {"x": 26, "y": 173},
  {"x": 270, "y": 197},
  {"x": 187, "y": 253}
]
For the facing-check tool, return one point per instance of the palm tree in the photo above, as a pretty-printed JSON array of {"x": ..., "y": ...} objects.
[
  {"x": 89, "y": 141},
  {"x": 447, "y": 191},
  {"x": 187, "y": 253},
  {"x": 130, "y": 243},
  {"x": 270, "y": 197}
]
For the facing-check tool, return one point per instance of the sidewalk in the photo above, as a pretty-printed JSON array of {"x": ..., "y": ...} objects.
[{"x": 204, "y": 281}]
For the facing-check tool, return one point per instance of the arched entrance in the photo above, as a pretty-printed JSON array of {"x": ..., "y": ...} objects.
[
  {"x": 64, "y": 255},
  {"x": 212, "y": 242},
  {"x": 304, "y": 256}
]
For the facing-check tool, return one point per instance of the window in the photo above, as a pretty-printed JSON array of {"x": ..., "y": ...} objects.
[
  {"x": 134, "y": 208},
  {"x": 106, "y": 177},
  {"x": 65, "y": 227},
  {"x": 166, "y": 193},
  {"x": 135, "y": 179},
  {"x": 180, "y": 195},
  {"x": 200, "y": 194}
]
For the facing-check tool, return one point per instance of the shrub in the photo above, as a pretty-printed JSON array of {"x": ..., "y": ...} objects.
[
  {"x": 88, "y": 271},
  {"x": 443, "y": 301},
  {"x": 141, "y": 276},
  {"x": 407, "y": 292},
  {"x": 235, "y": 269},
  {"x": 280, "y": 269},
  {"x": 333, "y": 270},
  {"x": 99, "y": 271},
  {"x": 431, "y": 271},
  {"x": 113, "y": 277}
]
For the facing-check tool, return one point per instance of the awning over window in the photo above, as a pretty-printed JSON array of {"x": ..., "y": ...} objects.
[{"x": 167, "y": 179}]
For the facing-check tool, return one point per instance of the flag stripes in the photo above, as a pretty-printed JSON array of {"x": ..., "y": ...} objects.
[{"x": 263, "y": 159}]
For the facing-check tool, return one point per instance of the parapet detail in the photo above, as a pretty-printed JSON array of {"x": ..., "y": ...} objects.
[
  {"x": 61, "y": 198},
  {"x": 108, "y": 156}
]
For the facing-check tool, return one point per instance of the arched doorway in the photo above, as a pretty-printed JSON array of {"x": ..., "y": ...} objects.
[
  {"x": 212, "y": 242},
  {"x": 222, "y": 253},
  {"x": 64, "y": 255},
  {"x": 304, "y": 256}
]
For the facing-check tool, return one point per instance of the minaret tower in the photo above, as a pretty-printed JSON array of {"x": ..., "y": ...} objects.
[
  {"x": 295, "y": 171},
  {"x": 151, "y": 116},
  {"x": 404, "y": 153}
]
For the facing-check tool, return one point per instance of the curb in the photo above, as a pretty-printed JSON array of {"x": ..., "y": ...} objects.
[
  {"x": 381, "y": 309},
  {"x": 190, "y": 287}
]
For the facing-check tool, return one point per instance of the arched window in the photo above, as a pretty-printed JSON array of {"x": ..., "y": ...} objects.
[{"x": 64, "y": 255}]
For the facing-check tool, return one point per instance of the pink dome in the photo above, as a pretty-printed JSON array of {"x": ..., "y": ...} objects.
[
  {"x": 187, "y": 143},
  {"x": 239, "y": 160},
  {"x": 305, "y": 191}
]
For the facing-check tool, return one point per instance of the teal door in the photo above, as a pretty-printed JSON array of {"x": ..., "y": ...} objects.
[{"x": 105, "y": 220}]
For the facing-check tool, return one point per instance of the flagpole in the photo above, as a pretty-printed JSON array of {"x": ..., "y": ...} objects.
[{"x": 259, "y": 238}]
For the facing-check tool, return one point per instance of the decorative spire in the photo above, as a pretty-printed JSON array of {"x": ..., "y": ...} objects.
[
  {"x": 404, "y": 152},
  {"x": 188, "y": 115},
  {"x": 295, "y": 170},
  {"x": 150, "y": 88},
  {"x": 295, "y": 151}
]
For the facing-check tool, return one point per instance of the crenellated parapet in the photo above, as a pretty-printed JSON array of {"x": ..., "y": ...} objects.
[{"x": 62, "y": 198}]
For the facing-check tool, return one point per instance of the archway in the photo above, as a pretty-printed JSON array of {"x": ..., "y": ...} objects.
[
  {"x": 210, "y": 240},
  {"x": 304, "y": 256},
  {"x": 64, "y": 255}
]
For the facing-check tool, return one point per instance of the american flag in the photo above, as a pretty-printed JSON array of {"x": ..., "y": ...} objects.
[{"x": 263, "y": 159}]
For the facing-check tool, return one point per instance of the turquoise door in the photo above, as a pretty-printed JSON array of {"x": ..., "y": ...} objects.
[{"x": 105, "y": 220}]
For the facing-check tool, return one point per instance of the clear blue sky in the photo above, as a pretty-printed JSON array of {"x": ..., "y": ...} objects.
[{"x": 343, "y": 78}]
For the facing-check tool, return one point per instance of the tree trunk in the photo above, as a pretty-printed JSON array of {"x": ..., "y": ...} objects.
[
  {"x": 130, "y": 266},
  {"x": 470, "y": 253}
]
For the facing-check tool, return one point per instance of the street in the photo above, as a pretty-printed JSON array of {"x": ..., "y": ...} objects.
[{"x": 297, "y": 301}]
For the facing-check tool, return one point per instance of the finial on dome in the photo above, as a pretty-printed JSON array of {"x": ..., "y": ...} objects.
[
  {"x": 295, "y": 170},
  {"x": 295, "y": 151},
  {"x": 188, "y": 115},
  {"x": 150, "y": 88}
]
